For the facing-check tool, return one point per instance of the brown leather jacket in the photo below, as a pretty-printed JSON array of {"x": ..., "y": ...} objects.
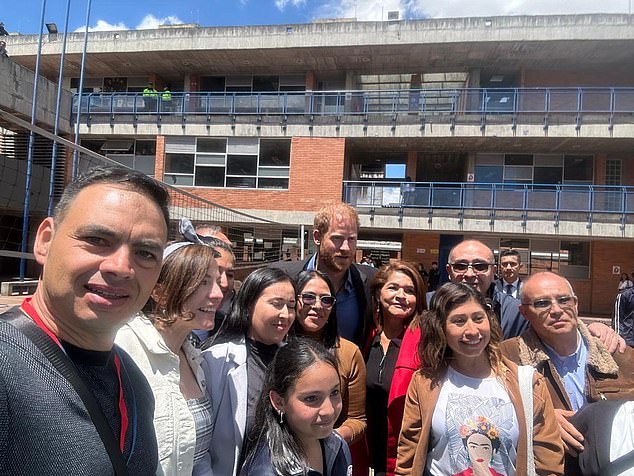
[
  {"x": 352, "y": 377},
  {"x": 608, "y": 377},
  {"x": 419, "y": 409}
]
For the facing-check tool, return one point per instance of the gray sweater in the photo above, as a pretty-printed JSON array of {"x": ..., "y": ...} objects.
[{"x": 45, "y": 428}]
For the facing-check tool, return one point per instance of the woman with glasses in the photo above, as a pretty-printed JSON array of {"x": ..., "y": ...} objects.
[
  {"x": 398, "y": 295},
  {"x": 316, "y": 318},
  {"x": 235, "y": 364},
  {"x": 465, "y": 411}
]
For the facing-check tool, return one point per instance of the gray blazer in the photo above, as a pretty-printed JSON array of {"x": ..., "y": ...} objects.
[{"x": 225, "y": 368}]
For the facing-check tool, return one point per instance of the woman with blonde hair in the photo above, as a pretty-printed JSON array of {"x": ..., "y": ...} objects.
[{"x": 465, "y": 412}]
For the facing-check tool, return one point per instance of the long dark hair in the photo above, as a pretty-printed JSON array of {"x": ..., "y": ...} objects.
[
  {"x": 238, "y": 322},
  {"x": 330, "y": 336},
  {"x": 290, "y": 362},
  {"x": 433, "y": 351}
]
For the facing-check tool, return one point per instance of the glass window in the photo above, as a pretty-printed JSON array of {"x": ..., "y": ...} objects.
[
  {"x": 211, "y": 145},
  {"x": 242, "y": 165},
  {"x": 210, "y": 176},
  {"x": 575, "y": 259},
  {"x": 512, "y": 174},
  {"x": 275, "y": 152},
  {"x": 179, "y": 180},
  {"x": 145, "y": 147},
  {"x": 210, "y": 159},
  {"x": 277, "y": 183},
  {"x": 241, "y": 182},
  {"x": 578, "y": 168},
  {"x": 489, "y": 174},
  {"x": 272, "y": 171},
  {"x": 179, "y": 163},
  {"x": 547, "y": 175},
  {"x": 518, "y": 159}
]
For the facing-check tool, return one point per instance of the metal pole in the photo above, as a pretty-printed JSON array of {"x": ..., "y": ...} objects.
[
  {"x": 301, "y": 241},
  {"x": 51, "y": 186},
  {"x": 29, "y": 160},
  {"x": 81, "y": 88}
]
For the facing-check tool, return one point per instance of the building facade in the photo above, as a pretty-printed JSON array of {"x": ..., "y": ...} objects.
[{"x": 518, "y": 131}]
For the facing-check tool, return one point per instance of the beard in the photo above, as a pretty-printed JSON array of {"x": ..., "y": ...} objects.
[{"x": 334, "y": 261}]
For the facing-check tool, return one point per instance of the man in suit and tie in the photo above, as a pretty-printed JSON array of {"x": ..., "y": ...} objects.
[{"x": 510, "y": 265}]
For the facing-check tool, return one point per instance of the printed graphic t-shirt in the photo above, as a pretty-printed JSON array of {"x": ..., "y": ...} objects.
[{"x": 474, "y": 425}]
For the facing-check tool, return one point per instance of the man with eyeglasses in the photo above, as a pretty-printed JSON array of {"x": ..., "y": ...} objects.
[
  {"x": 335, "y": 232},
  {"x": 510, "y": 266},
  {"x": 576, "y": 366}
]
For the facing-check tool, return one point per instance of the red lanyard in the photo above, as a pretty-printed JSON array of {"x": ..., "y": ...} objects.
[{"x": 30, "y": 311}]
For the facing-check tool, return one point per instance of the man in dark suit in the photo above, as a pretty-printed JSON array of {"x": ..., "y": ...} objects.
[
  {"x": 510, "y": 266},
  {"x": 335, "y": 232}
]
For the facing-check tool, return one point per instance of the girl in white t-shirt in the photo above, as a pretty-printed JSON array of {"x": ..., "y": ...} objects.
[{"x": 463, "y": 412}]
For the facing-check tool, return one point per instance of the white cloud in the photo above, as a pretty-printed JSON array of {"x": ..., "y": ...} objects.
[
  {"x": 103, "y": 25},
  {"x": 150, "y": 22},
  {"x": 370, "y": 10},
  {"x": 281, "y": 4},
  {"x": 147, "y": 23}
]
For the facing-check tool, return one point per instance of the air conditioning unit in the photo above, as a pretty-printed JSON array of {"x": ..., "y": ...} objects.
[{"x": 393, "y": 15}]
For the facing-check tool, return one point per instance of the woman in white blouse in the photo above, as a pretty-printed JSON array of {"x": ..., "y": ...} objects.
[{"x": 185, "y": 298}]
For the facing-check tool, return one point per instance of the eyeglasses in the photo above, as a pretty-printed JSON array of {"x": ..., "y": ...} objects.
[
  {"x": 562, "y": 301},
  {"x": 477, "y": 267},
  {"x": 311, "y": 298}
]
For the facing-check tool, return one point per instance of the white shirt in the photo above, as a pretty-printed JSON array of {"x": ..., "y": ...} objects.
[{"x": 466, "y": 404}]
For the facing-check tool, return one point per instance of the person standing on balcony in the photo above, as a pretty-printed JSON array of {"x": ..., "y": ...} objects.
[
  {"x": 510, "y": 282},
  {"x": 166, "y": 99},
  {"x": 335, "y": 232},
  {"x": 150, "y": 97}
]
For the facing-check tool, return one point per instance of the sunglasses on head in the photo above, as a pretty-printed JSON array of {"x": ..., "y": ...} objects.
[
  {"x": 463, "y": 266},
  {"x": 311, "y": 298}
]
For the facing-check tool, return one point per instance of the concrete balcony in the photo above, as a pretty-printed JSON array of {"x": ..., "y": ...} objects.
[
  {"x": 592, "y": 211},
  {"x": 469, "y": 112}
]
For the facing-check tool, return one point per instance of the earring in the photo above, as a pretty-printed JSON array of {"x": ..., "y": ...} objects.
[{"x": 281, "y": 417}]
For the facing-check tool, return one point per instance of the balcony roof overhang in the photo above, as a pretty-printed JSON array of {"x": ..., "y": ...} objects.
[{"x": 498, "y": 44}]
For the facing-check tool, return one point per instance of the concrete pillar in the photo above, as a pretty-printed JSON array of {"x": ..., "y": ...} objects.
[
  {"x": 159, "y": 160},
  {"x": 410, "y": 168},
  {"x": 599, "y": 168},
  {"x": 473, "y": 81}
]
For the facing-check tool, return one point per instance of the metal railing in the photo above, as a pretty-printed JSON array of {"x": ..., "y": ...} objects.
[
  {"x": 569, "y": 101},
  {"x": 493, "y": 197}
]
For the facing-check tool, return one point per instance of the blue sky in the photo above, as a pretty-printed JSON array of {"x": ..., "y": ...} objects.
[{"x": 24, "y": 16}]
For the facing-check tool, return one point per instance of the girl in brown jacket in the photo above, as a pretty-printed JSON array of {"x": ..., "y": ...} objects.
[{"x": 464, "y": 413}]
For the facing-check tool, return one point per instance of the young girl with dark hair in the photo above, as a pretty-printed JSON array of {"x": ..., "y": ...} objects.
[
  {"x": 465, "y": 413},
  {"x": 300, "y": 403}
]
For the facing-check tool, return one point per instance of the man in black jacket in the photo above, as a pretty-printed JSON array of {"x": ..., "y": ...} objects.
[{"x": 335, "y": 232}]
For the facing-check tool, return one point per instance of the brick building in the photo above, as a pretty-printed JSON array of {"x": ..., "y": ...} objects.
[{"x": 518, "y": 131}]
